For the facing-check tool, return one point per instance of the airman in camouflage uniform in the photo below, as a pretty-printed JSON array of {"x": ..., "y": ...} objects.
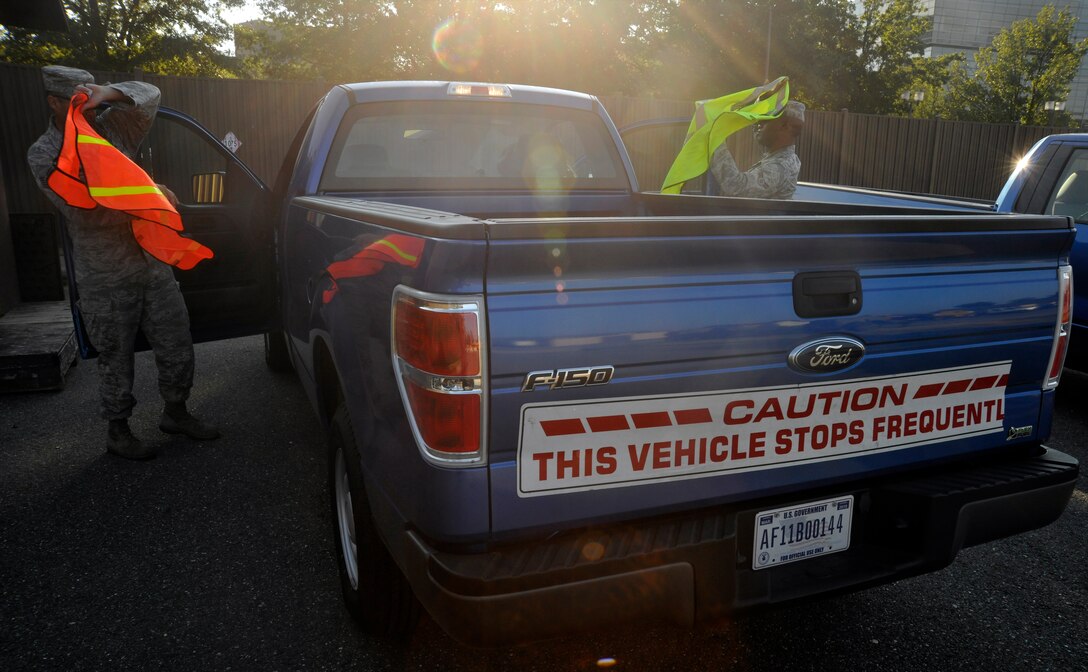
[
  {"x": 774, "y": 175},
  {"x": 122, "y": 288}
]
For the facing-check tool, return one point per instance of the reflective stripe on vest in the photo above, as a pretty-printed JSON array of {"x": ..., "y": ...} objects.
[
  {"x": 717, "y": 119},
  {"x": 112, "y": 180},
  {"x": 64, "y": 180}
]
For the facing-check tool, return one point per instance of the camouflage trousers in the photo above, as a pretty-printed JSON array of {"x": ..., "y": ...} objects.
[{"x": 114, "y": 315}]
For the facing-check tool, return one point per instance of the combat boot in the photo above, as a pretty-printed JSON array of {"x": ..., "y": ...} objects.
[
  {"x": 122, "y": 443},
  {"x": 176, "y": 419}
]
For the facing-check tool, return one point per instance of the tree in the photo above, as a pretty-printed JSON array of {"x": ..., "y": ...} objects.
[
  {"x": 930, "y": 93},
  {"x": 813, "y": 42},
  {"x": 707, "y": 48},
  {"x": 162, "y": 36},
  {"x": 700, "y": 51},
  {"x": 1026, "y": 65},
  {"x": 603, "y": 47},
  {"x": 891, "y": 56},
  {"x": 334, "y": 40},
  {"x": 595, "y": 45}
]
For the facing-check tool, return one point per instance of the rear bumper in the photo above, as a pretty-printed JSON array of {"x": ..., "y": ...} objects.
[{"x": 697, "y": 566}]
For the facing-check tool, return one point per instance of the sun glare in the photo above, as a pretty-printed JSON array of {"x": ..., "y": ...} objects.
[{"x": 457, "y": 45}]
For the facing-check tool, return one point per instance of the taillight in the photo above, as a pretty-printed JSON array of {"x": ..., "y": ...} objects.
[
  {"x": 1062, "y": 328},
  {"x": 438, "y": 359}
]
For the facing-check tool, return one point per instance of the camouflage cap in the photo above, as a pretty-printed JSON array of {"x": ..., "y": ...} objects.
[
  {"x": 794, "y": 110},
  {"x": 61, "y": 81}
]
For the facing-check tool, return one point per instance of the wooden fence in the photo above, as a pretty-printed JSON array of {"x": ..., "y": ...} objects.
[{"x": 918, "y": 155}]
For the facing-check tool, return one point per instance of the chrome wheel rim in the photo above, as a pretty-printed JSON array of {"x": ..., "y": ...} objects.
[{"x": 345, "y": 520}]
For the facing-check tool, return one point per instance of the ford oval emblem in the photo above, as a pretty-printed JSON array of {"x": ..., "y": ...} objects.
[{"x": 826, "y": 355}]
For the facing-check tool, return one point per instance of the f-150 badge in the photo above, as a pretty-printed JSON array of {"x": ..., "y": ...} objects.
[
  {"x": 560, "y": 378},
  {"x": 826, "y": 355}
]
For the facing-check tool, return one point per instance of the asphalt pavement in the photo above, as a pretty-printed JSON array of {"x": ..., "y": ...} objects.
[{"x": 218, "y": 556}]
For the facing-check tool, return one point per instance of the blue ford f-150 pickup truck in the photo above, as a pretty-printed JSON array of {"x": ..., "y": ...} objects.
[{"x": 555, "y": 402}]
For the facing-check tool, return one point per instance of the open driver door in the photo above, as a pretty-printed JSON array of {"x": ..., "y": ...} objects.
[{"x": 224, "y": 205}]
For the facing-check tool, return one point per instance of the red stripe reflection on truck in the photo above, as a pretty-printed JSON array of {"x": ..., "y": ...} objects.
[
  {"x": 984, "y": 383},
  {"x": 562, "y": 427}
]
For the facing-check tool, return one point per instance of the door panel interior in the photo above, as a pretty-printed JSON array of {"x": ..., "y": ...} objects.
[{"x": 223, "y": 206}]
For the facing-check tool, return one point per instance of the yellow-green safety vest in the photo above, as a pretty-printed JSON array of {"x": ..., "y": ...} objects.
[{"x": 717, "y": 119}]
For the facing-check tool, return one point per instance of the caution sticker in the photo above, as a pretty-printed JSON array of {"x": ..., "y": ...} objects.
[{"x": 616, "y": 442}]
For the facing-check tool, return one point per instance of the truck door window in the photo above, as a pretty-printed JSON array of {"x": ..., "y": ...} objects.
[
  {"x": 474, "y": 145},
  {"x": 190, "y": 167},
  {"x": 1071, "y": 195}
]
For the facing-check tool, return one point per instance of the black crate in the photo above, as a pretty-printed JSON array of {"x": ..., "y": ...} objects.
[{"x": 37, "y": 257}]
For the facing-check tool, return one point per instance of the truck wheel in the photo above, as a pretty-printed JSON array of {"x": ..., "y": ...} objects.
[
  {"x": 275, "y": 351},
  {"x": 375, "y": 591}
]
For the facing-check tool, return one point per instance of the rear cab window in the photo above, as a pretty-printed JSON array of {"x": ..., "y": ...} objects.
[{"x": 471, "y": 145}]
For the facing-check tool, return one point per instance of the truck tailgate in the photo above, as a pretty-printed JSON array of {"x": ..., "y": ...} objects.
[{"x": 686, "y": 326}]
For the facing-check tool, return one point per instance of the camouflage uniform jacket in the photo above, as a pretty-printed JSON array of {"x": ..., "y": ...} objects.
[
  {"x": 106, "y": 254},
  {"x": 773, "y": 176}
]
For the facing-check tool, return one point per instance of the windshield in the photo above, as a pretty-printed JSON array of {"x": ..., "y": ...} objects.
[{"x": 471, "y": 145}]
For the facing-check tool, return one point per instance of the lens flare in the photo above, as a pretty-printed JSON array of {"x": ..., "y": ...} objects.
[
  {"x": 457, "y": 45},
  {"x": 593, "y": 551}
]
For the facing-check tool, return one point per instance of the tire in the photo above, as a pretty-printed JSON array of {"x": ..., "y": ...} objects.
[
  {"x": 276, "y": 355},
  {"x": 375, "y": 591}
]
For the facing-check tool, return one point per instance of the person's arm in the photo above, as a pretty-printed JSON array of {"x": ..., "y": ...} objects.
[
  {"x": 764, "y": 180},
  {"x": 133, "y": 106},
  {"x": 42, "y": 161}
]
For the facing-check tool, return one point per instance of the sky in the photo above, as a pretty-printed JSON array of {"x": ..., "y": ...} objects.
[{"x": 247, "y": 13}]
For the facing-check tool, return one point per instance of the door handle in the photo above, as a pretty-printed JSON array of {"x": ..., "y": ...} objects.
[{"x": 826, "y": 293}]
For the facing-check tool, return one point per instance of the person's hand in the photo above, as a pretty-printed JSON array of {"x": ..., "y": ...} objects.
[
  {"x": 88, "y": 108},
  {"x": 89, "y": 90},
  {"x": 97, "y": 94},
  {"x": 170, "y": 196}
]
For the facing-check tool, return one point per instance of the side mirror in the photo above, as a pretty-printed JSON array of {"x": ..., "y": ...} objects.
[{"x": 208, "y": 187}]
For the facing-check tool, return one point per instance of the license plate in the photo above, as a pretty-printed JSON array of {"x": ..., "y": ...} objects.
[{"x": 802, "y": 531}]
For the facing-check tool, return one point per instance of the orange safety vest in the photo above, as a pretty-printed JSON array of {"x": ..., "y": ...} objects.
[{"x": 111, "y": 180}]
